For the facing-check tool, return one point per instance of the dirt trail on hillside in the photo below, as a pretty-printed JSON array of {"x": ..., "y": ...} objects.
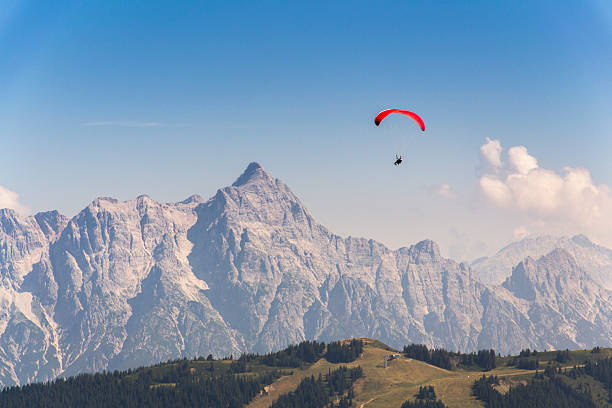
[{"x": 367, "y": 402}]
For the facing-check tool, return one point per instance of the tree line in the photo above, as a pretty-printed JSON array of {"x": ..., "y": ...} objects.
[
  {"x": 423, "y": 404},
  {"x": 526, "y": 364},
  {"x": 306, "y": 352},
  {"x": 541, "y": 392},
  {"x": 425, "y": 398},
  {"x": 181, "y": 382},
  {"x": 485, "y": 359},
  {"x": 339, "y": 352},
  {"x": 321, "y": 392},
  {"x": 138, "y": 389},
  {"x": 600, "y": 369}
]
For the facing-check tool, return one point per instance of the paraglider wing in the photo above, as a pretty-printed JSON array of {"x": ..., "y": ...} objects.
[{"x": 411, "y": 115}]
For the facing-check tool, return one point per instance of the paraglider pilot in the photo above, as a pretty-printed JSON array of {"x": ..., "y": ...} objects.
[{"x": 398, "y": 160}]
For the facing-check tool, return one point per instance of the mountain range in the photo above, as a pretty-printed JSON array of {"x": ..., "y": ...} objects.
[
  {"x": 595, "y": 259},
  {"x": 124, "y": 284}
]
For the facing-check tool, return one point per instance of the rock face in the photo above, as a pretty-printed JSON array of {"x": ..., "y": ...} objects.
[
  {"x": 124, "y": 284},
  {"x": 563, "y": 300},
  {"x": 595, "y": 259}
]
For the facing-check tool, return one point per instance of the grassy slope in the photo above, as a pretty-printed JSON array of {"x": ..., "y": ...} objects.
[{"x": 390, "y": 387}]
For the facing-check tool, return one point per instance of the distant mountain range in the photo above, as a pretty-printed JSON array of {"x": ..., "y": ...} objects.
[
  {"x": 594, "y": 259},
  {"x": 124, "y": 284}
]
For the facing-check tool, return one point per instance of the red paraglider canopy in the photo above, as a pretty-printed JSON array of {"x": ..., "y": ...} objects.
[{"x": 412, "y": 115}]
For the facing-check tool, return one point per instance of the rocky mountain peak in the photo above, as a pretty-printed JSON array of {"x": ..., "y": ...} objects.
[
  {"x": 143, "y": 197},
  {"x": 254, "y": 173},
  {"x": 426, "y": 249},
  {"x": 100, "y": 203},
  {"x": 257, "y": 197},
  {"x": 7, "y": 212},
  {"x": 193, "y": 199},
  {"x": 582, "y": 240},
  {"x": 144, "y": 201},
  {"x": 558, "y": 256},
  {"x": 8, "y": 219},
  {"x": 547, "y": 275},
  {"x": 51, "y": 223}
]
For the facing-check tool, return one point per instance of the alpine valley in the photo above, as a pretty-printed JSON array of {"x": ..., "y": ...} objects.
[{"x": 126, "y": 284}]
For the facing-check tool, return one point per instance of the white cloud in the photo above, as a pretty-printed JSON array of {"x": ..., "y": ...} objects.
[
  {"x": 446, "y": 191},
  {"x": 491, "y": 153},
  {"x": 122, "y": 123},
  {"x": 520, "y": 161},
  {"x": 496, "y": 191},
  {"x": 10, "y": 199},
  {"x": 565, "y": 201}
]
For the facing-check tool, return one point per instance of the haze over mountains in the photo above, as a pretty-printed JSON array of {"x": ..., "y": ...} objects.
[
  {"x": 595, "y": 259},
  {"x": 124, "y": 284}
]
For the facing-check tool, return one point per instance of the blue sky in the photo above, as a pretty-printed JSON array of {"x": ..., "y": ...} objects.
[{"x": 124, "y": 98}]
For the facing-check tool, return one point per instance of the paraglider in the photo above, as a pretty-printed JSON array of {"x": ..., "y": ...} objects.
[
  {"x": 379, "y": 118},
  {"x": 411, "y": 115}
]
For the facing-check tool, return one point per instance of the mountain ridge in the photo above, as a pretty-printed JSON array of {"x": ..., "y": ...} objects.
[
  {"x": 136, "y": 282},
  {"x": 594, "y": 258}
]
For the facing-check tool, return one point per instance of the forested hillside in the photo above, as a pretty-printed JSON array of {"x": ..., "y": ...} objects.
[
  {"x": 199, "y": 382},
  {"x": 349, "y": 373}
]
